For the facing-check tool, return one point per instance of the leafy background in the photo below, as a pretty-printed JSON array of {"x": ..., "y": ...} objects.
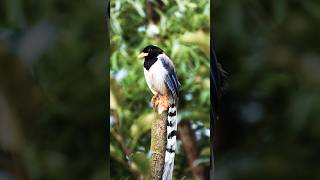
[
  {"x": 183, "y": 33},
  {"x": 53, "y": 112},
  {"x": 270, "y": 116},
  {"x": 53, "y": 87}
]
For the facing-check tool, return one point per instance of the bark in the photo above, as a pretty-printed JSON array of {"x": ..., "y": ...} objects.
[
  {"x": 151, "y": 7},
  {"x": 188, "y": 141},
  {"x": 158, "y": 144}
]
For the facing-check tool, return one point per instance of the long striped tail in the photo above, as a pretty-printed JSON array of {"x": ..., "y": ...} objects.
[{"x": 171, "y": 141}]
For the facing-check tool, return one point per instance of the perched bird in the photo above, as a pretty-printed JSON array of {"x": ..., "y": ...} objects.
[{"x": 160, "y": 75}]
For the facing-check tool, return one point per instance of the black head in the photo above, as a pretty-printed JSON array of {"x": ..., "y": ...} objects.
[{"x": 150, "y": 52}]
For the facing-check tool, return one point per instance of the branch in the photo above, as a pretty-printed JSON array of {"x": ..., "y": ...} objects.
[
  {"x": 23, "y": 101},
  {"x": 158, "y": 143},
  {"x": 151, "y": 8},
  {"x": 188, "y": 141},
  {"x": 119, "y": 138}
]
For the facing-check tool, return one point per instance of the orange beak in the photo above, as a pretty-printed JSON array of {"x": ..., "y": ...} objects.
[{"x": 142, "y": 55}]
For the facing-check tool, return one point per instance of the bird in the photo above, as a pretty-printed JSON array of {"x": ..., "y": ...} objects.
[{"x": 161, "y": 78}]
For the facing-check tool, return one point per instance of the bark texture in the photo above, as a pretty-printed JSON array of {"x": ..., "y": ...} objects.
[{"x": 158, "y": 144}]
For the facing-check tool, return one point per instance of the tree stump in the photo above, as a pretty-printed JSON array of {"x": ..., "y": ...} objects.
[{"x": 158, "y": 142}]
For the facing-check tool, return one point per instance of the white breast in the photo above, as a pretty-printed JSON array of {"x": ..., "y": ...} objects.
[{"x": 155, "y": 78}]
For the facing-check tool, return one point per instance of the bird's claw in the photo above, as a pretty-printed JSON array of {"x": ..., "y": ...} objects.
[
  {"x": 160, "y": 102},
  {"x": 163, "y": 103},
  {"x": 155, "y": 100}
]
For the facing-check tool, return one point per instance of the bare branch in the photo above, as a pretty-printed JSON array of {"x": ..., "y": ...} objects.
[
  {"x": 188, "y": 141},
  {"x": 158, "y": 143}
]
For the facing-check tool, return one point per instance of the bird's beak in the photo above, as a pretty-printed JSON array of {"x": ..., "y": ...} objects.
[{"x": 142, "y": 55}]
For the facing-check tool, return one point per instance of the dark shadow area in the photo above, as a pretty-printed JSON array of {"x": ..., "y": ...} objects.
[
  {"x": 53, "y": 89},
  {"x": 270, "y": 125}
]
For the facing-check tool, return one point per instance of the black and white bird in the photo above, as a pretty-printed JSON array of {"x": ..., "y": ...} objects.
[{"x": 160, "y": 75}]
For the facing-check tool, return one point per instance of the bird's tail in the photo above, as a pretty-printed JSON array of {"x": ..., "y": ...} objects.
[{"x": 171, "y": 140}]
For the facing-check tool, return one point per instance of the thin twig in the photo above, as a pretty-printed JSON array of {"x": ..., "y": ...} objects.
[
  {"x": 119, "y": 138},
  {"x": 188, "y": 140}
]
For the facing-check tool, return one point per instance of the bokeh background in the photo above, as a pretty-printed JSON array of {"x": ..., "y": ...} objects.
[
  {"x": 181, "y": 28},
  {"x": 53, "y": 84},
  {"x": 270, "y": 126}
]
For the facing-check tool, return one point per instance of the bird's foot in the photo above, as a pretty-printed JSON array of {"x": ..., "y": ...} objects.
[
  {"x": 155, "y": 100},
  {"x": 163, "y": 103}
]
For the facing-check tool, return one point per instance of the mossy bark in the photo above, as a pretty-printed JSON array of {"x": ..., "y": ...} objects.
[{"x": 158, "y": 144}]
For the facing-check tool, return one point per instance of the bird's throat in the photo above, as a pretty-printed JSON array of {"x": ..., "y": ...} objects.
[{"x": 148, "y": 62}]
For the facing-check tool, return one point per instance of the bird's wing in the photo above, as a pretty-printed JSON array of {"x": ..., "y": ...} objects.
[{"x": 171, "y": 79}]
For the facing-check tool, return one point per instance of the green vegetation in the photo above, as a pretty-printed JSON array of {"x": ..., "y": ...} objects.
[
  {"x": 53, "y": 84},
  {"x": 184, "y": 36},
  {"x": 270, "y": 127},
  {"x": 53, "y": 89}
]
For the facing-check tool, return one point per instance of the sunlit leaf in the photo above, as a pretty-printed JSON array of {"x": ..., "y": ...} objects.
[
  {"x": 115, "y": 153},
  {"x": 113, "y": 101},
  {"x": 205, "y": 151},
  {"x": 201, "y": 161},
  {"x": 198, "y": 38},
  {"x": 140, "y": 126}
]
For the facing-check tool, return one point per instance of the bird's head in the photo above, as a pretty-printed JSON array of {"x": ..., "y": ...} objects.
[{"x": 149, "y": 52}]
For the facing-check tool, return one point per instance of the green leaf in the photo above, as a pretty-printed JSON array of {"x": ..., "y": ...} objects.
[
  {"x": 201, "y": 161},
  {"x": 138, "y": 7},
  {"x": 141, "y": 163},
  {"x": 205, "y": 151},
  {"x": 140, "y": 126},
  {"x": 116, "y": 153},
  {"x": 199, "y": 38}
]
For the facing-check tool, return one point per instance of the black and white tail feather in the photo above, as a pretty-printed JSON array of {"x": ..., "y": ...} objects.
[{"x": 171, "y": 140}]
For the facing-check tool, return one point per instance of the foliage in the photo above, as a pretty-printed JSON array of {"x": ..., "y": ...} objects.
[
  {"x": 52, "y": 88},
  {"x": 184, "y": 36},
  {"x": 270, "y": 114}
]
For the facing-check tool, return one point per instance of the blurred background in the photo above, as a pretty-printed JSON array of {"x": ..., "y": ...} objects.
[
  {"x": 53, "y": 84},
  {"x": 181, "y": 28},
  {"x": 270, "y": 126}
]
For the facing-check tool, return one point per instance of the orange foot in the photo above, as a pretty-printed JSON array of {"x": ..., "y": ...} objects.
[
  {"x": 163, "y": 103},
  {"x": 155, "y": 100}
]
